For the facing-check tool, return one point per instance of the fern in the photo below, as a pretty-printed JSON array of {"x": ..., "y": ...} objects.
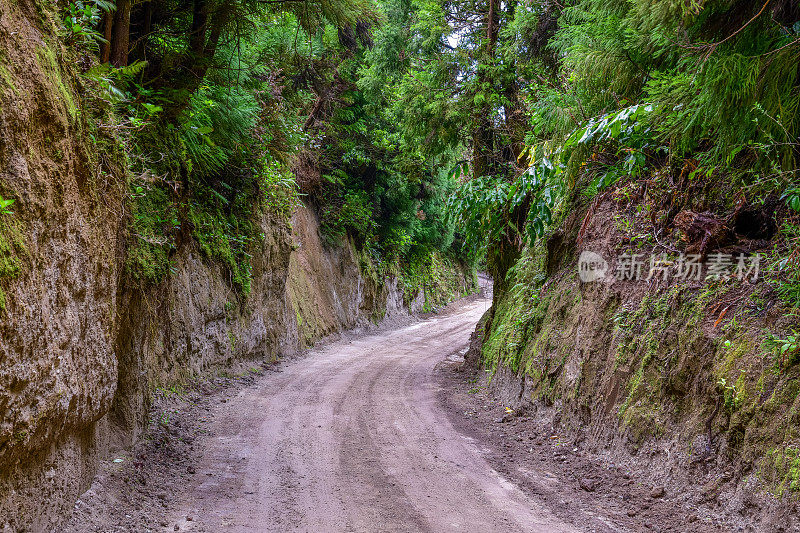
[
  {"x": 218, "y": 124},
  {"x": 81, "y": 17},
  {"x": 111, "y": 81},
  {"x": 713, "y": 79}
]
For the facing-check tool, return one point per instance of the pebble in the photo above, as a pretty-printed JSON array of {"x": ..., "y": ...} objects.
[{"x": 588, "y": 484}]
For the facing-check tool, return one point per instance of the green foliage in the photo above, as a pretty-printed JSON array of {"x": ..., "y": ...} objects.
[
  {"x": 387, "y": 95},
  {"x": 5, "y": 205},
  {"x": 732, "y": 394},
  {"x": 222, "y": 159},
  {"x": 12, "y": 251},
  {"x": 278, "y": 187},
  {"x": 439, "y": 277},
  {"x": 784, "y": 269},
  {"x": 792, "y": 197},
  {"x": 479, "y": 209},
  {"x": 629, "y": 85},
  {"x": 627, "y": 130},
  {"x": 225, "y": 231},
  {"x": 81, "y": 18},
  {"x": 214, "y": 118},
  {"x": 386, "y": 193},
  {"x": 707, "y": 75},
  {"x": 786, "y": 350},
  {"x": 217, "y": 127},
  {"x": 482, "y": 206},
  {"x": 355, "y": 214},
  {"x": 110, "y": 83}
]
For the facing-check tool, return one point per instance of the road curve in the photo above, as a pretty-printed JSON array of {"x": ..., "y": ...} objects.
[{"x": 351, "y": 438}]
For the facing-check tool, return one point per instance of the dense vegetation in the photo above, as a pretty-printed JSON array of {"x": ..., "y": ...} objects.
[
  {"x": 229, "y": 110},
  {"x": 579, "y": 96},
  {"x": 403, "y": 120}
]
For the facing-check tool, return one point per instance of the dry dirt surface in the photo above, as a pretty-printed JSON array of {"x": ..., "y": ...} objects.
[
  {"x": 554, "y": 469},
  {"x": 378, "y": 433}
]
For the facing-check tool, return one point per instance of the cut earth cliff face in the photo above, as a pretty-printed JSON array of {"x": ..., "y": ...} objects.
[
  {"x": 60, "y": 253},
  {"x": 82, "y": 347},
  {"x": 673, "y": 378},
  {"x": 195, "y": 322}
]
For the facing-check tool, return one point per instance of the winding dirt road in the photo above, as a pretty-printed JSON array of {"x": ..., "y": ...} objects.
[{"x": 352, "y": 439}]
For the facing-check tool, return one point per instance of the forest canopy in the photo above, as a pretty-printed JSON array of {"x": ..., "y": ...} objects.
[{"x": 420, "y": 125}]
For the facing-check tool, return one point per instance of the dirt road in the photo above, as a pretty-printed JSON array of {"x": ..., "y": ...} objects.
[
  {"x": 378, "y": 433},
  {"x": 352, "y": 438}
]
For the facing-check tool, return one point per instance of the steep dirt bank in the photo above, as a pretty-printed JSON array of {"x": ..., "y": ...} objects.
[
  {"x": 60, "y": 253},
  {"x": 671, "y": 378},
  {"x": 195, "y": 322}
]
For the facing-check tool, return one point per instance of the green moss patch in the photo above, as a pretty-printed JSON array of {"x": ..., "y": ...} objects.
[
  {"x": 225, "y": 233},
  {"x": 12, "y": 251},
  {"x": 151, "y": 241}
]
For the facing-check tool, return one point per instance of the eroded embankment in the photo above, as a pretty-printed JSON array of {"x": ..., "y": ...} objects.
[
  {"x": 59, "y": 266},
  {"x": 678, "y": 379}
]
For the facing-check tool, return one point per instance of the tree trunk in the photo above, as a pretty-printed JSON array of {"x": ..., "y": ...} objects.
[
  {"x": 141, "y": 26},
  {"x": 197, "y": 37},
  {"x": 120, "y": 42},
  {"x": 515, "y": 117},
  {"x": 108, "y": 26},
  {"x": 492, "y": 26},
  {"x": 207, "y": 30},
  {"x": 220, "y": 21}
]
